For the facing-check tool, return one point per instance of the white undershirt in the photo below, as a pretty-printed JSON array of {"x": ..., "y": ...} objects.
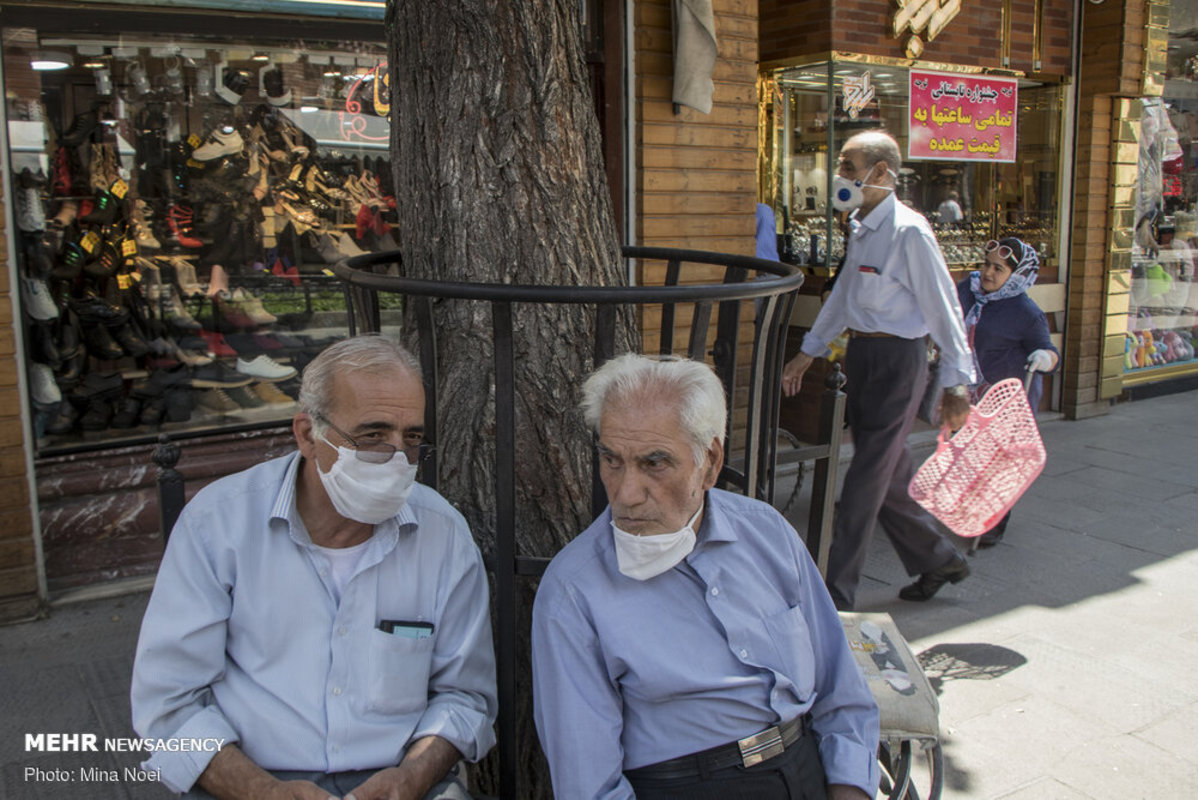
[{"x": 342, "y": 564}]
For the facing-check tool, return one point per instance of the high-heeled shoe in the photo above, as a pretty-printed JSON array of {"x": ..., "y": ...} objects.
[{"x": 179, "y": 222}]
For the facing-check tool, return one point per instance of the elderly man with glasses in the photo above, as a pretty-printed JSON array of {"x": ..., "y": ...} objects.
[
  {"x": 319, "y": 626},
  {"x": 893, "y": 291}
]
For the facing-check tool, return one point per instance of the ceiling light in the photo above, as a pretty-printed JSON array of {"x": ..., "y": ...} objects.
[
  {"x": 260, "y": 57},
  {"x": 50, "y": 60}
]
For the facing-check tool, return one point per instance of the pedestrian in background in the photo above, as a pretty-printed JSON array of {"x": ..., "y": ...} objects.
[{"x": 1007, "y": 331}]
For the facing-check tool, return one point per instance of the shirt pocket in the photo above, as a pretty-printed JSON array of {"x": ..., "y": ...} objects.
[
  {"x": 792, "y": 639},
  {"x": 874, "y": 290},
  {"x": 397, "y": 673}
]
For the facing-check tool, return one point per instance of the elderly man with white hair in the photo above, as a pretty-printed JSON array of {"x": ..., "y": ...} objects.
[{"x": 684, "y": 645}]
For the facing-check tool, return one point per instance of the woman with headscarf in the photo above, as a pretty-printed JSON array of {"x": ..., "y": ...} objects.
[{"x": 1007, "y": 331}]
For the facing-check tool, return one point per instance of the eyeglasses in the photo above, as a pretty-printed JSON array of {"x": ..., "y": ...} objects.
[
  {"x": 415, "y": 449},
  {"x": 1004, "y": 252}
]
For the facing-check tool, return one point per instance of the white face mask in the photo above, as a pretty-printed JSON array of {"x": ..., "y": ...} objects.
[
  {"x": 365, "y": 492},
  {"x": 645, "y": 557},
  {"x": 846, "y": 194}
]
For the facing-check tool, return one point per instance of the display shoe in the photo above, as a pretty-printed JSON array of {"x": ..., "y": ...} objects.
[
  {"x": 127, "y": 413},
  {"x": 172, "y": 310},
  {"x": 98, "y": 384},
  {"x": 42, "y": 387},
  {"x": 98, "y": 415},
  {"x": 252, "y": 306},
  {"x": 162, "y": 380},
  {"x": 192, "y": 358},
  {"x": 265, "y": 368},
  {"x": 218, "y": 376},
  {"x": 91, "y": 308},
  {"x": 63, "y": 420},
  {"x": 270, "y": 394},
  {"x": 282, "y": 269},
  {"x": 150, "y": 275},
  {"x": 231, "y": 316},
  {"x": 100, "y": 342},
  {"x": 218, "y": 281},
  {"x": 217, "y": 345},
  {"x": 217, "y": 400},
  {"x": 185, "y": 278},
  {"x": 179, "y": 405},
  {"x": 96, "y": 178},
  {"x": 364, "y": 222},
  {"x": 143, "y": 228},
  {"x": 243, "y": 396},
  {"x": 179, "y": 222},
  {"x": 104, "y": 211},
  {"x": 36, "y": 299},
  {"x": 43, "y": 345},
  {"x": 929, "y": 583},
  {"x": 31, "y": 214},
  {"x": 70, "y": 263},
  {"x": 108, "y": 262},
  {"x": 152, "y": 411},
  {"x": 82, "y": 127},
  {"x": 222, "y": 142},
  {"x": 130, "y": 340}
]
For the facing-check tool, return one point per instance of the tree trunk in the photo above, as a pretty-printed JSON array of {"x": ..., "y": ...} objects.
[{"x": 499, "y": 178}]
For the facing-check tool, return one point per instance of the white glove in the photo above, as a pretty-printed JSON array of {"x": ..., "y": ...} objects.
[{"x": 1041, "y": 360}]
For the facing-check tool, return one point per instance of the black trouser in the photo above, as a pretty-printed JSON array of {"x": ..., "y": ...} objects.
[
  {"x": 886, "y": 381},
  {"x": 797, "y": 774}
]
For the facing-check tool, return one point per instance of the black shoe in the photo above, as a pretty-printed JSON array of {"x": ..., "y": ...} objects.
[
  {"x": 130, "y": 340},
  {"x": 63, "y": 420},
  {"x": 128, "y": 412},
  {"x": 218, "y": 376},
  {"x": 82, "y": 128},
  {"x": 101, "y": 344},
  {"x": 98, "y": 415},
  {"x": 929, "y": 583},
  {"x": 989, "y": 539}
]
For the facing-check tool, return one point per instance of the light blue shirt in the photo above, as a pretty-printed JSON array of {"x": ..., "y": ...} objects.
[
  {"x": 894, "y": 280},
  {"x": 739, "y": 636},
  {"x": 243, "y": 640}
]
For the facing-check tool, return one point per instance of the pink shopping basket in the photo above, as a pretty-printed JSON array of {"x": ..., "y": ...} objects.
[{"x": 975, "y": 477}]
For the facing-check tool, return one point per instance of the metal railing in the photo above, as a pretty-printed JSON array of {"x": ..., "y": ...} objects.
[{"x": 773, "y": 292}]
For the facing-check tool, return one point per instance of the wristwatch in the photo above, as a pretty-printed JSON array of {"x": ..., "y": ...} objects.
[{"x": 960, "y": 390}]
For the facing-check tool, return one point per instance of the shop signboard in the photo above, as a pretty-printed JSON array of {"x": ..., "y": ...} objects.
[{"x": 955, "y": 117}]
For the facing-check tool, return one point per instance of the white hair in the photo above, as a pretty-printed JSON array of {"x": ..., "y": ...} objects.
[
  {"x": 369, "y": 353},
  {"x": 691, "y": 385}
]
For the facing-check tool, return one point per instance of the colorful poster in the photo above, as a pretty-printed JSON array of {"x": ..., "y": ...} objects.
[{"x": 962, "y": 117}]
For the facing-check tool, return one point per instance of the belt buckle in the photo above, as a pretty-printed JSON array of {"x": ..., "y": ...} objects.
[{"x": 761, "y": 746}]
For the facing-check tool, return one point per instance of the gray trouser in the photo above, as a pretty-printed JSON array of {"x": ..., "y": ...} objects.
[
  {"x": 886, "y": 380},
  {"x": 339, "y": 784}
]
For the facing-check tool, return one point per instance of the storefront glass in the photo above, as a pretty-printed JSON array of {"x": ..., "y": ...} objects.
[
  {"x": 809, "y": 122},
  {"x": 178, "y": 200},
  {"x": 1163, "y": 313}
]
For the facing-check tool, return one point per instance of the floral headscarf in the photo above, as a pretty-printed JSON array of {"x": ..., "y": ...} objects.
[{"x": 1025, "y": 266}]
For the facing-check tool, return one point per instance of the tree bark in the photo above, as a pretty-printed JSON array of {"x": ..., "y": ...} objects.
[{"x": 499, "y": 177}]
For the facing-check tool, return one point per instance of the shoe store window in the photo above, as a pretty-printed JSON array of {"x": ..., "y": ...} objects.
[{"x": 178, "y": 200}]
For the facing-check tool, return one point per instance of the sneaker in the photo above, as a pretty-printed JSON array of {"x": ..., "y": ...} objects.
[
  {"x": 218, "y": 376},
  {"x": 271, "y": 394},
  {"x": 223, "y": 142},
  {"x": 42, "y": 387},
  {"x": 265, "y": 368},
  {"x": 216, "y": 400},
  {"x": 36, "y": 300},
  {"x": 244, "y": 397}
]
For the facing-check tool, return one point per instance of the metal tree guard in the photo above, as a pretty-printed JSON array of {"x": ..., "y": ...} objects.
[{"x": 774, "y": 293}]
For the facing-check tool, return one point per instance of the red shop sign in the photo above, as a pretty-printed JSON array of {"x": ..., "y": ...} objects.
[{"x": 961, "y": 117}]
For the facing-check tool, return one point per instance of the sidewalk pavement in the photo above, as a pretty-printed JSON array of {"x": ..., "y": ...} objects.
[{"x": 1062, "y": 664}]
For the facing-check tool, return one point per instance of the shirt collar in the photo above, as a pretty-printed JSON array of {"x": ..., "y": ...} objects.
[
  {"x": 716, "y": 526},
  {"x": 874, "y": 219}
]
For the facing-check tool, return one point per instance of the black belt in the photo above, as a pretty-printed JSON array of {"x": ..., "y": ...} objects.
[
  {"x": 853, "y": 334},
  {"x": 746, "y": 752}
]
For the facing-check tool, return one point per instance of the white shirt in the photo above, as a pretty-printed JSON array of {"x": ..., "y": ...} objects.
[
  {"x": 949, "y": 211},
  {"x": 244, "y": 641},
  {"x": 894, "y": 280}
]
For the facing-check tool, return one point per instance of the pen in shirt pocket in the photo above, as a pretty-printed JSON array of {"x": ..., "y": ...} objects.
[{"x": 407, "y": 629}]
